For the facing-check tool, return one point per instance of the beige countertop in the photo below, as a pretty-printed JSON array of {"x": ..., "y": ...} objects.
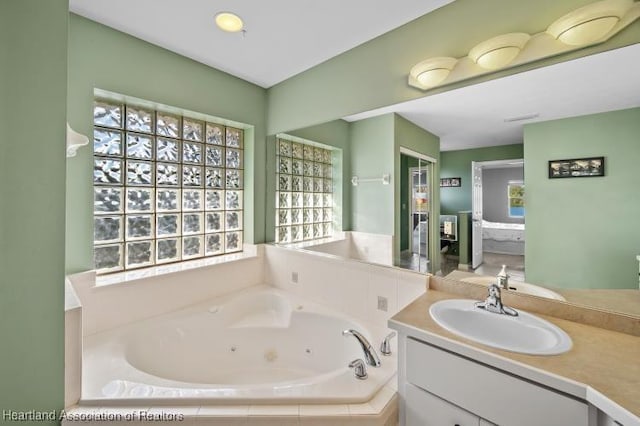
[
  {"x": 625, "y": 301},
  {"x": 600, "y": 363}
]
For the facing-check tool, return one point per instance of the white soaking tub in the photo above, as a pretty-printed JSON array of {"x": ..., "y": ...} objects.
[{"x": 260, "y": 345}]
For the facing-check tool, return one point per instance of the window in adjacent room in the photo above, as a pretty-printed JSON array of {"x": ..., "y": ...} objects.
[
  {"x": 304, "y": 202},
  {"x": 166, "y": 187},
  {"x": 515, "y": 194}
]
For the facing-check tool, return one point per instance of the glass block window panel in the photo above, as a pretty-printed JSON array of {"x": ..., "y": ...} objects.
[
  {"x": 167, "y": 188},
  {"x": 168, "y": 250},
  {"x": 215, "y": 134},
  {"x": 233, "y": 242},
  {"x": 139, "y": 227},
  {"x": 139, "y": 146},
  {"x": 303, "y": 191},
  {"x": 107, "y": 142},
  {"x": 139, "y": 254},
  {"x": 139, "y": 120},
  {"x": 168, "y": 125},
  {"x": 234, "y": 137},
  {"x": 192, "y": 130},
  {"x": 107, "y": 200},
  {"x": 107, "y": 171},
  {"x": 167, "y": 200},
  {"x": 167, "y": 174},
  {"x": 107, "y": 114},
  {"x": 108, "y": 257},
  {"x": 168, "y": 150},
  {"x": 192, "y": 247}
]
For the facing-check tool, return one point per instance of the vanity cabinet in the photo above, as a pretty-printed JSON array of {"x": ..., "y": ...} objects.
[
  {"x": 605, "y": 420},
  {"x": 439, "y": 387}
]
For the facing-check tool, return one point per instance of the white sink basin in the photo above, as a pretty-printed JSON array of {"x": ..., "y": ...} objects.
[
  {"x": 520, "y": 287},
  {"x": 525, "y": 333}
]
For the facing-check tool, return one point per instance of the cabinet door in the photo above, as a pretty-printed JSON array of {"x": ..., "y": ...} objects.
[
  {"x": 605, "y": 420},
  {"x": 425, "y": 409}
]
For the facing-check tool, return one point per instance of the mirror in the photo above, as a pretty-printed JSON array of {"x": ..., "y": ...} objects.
[{"x": 581, "y": 233}]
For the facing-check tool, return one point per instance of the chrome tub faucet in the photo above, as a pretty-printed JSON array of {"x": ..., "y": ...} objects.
[{"x": 369, "y": 353}]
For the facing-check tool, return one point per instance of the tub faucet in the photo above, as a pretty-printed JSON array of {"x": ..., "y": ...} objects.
[
  {"x": 385, "y": 346},
  {"x": 493, "y": 303},
  {"x": 359, "y": 368},
  {"x": 369, "y": 353}
]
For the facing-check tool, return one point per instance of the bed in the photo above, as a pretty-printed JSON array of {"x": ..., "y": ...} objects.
[{"x": 503, "y": 238}]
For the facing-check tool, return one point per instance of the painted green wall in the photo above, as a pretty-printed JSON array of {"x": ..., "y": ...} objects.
[
  {"x": 408, "y": 135},
  {"x": 372, "y": 155},
  {"x": 100, "y": 57},
  {"x": 374, "y": 74},
  {"x": 584, "y": 232},
  {"x": 33, "y": 43},
  {"x": 458, "y": 164},
  {"x": 406, "y": 163}
]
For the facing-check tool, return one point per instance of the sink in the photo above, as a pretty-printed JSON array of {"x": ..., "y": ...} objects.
[
  {"x": 520, "y": 287},
  {"x": 525, "y": 333}
]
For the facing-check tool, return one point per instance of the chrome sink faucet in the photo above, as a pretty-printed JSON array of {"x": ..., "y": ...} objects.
[
  {"x": 493, "y": 303},
  {"x": 369, "y": 353}
]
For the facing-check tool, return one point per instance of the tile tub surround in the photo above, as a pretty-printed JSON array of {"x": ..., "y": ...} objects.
[
  {"x": 108, "y": 302},
  {"x": 364, "y": 246},
  {"x": 347, "y": 285},
  {"x": 582, "y": 314},
  {"x": 381, "y": 410},
  {"x": 601, "y": 368}
]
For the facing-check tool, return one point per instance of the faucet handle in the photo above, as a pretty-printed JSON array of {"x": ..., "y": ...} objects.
[
  {"x": 359, "y": 368},
  {"x": 385, "y": 346}
]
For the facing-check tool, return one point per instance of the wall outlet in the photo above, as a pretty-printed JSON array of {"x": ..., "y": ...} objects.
[
  {"x": 382, "y": 303},
  {"x": 294, "y": 277}
]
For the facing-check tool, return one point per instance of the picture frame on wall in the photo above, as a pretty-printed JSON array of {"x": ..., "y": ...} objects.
[
  {"x": 453, "y": 182},
  {"x": 576, "y": 167}
]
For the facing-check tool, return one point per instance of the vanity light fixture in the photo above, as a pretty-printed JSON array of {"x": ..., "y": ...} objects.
[
  {"x": 432, "y": 71},
  {"x": 586, "y": 26},
  {"x": 500, "y": 51},
  {"x": 229, "y": 22},
  {"x": 589, "y": 23}
]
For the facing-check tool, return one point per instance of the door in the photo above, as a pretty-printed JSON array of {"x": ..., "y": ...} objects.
[
  {"x": 476, "y": 215},
  {"x": 420, "y": 206}
]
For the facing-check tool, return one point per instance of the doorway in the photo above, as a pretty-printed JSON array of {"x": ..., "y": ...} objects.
[
  {"x": 416, "y": 199},
  {"x": 498, "y": 217}
]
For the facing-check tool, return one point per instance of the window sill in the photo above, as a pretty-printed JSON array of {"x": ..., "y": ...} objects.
[{"x": 250, "y": 251}]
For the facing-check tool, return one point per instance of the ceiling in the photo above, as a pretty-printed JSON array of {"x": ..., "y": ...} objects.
[
  {"x": 283, "y": 37},
  {"x": 474, "y": 116}
]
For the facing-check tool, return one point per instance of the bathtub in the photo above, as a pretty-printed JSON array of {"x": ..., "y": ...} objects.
[
  {"x": 260, "y": 345},
  {"x": 503, "y": 238}
]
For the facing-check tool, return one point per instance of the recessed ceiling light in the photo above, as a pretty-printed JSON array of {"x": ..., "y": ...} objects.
[{"x": 229, "y": 22}]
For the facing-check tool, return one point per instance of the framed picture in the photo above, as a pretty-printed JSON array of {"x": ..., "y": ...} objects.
[
  {"x": 578, "y": 167},
  {"x": 450, "y": 182}
]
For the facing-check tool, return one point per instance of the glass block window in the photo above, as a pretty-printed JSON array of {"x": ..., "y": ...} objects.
[
  {"x": 166, "y": 188},
  {"x": 515, "y": 198},
  {"x": 304, "y": 201}
]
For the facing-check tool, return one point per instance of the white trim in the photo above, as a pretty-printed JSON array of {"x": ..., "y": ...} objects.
[{"x": 418, "y": 155}]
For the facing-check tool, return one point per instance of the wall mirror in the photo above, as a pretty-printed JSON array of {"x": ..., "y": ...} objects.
[{"x": 581, "y": 237}]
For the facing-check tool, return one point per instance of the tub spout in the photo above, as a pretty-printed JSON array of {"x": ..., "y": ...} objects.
[{"x": 369, "y": 353}]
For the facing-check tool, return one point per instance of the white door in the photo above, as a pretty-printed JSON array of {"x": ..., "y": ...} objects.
[{"x": 476, "y": 215}]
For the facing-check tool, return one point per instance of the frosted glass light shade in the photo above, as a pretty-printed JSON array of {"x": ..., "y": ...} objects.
[
  {"x": 433, "y": 71},
  {"x": 229, "y": 22},
  {"x": 589, "y": 23},
  {"x": 499, "y": 51}
]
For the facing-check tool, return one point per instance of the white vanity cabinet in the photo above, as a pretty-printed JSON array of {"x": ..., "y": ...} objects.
[{"x": 439, "y": 387}]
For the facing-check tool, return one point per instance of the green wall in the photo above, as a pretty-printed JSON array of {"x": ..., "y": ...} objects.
[
  {"x": 584, "y": 232},
  {"x": 33, "y": 89},
  {"x": 374, "y": 74},
  {"x": 372, "y": 155},
  {"x": 408, "y": 135},
  {"x": 458, "y": 164},
  {"x": 100, "y": 57}
]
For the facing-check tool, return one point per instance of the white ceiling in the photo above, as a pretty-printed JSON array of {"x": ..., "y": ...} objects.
[
  {"x": 283, "y": 37},
  {"x": 473, "y": 116}
]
